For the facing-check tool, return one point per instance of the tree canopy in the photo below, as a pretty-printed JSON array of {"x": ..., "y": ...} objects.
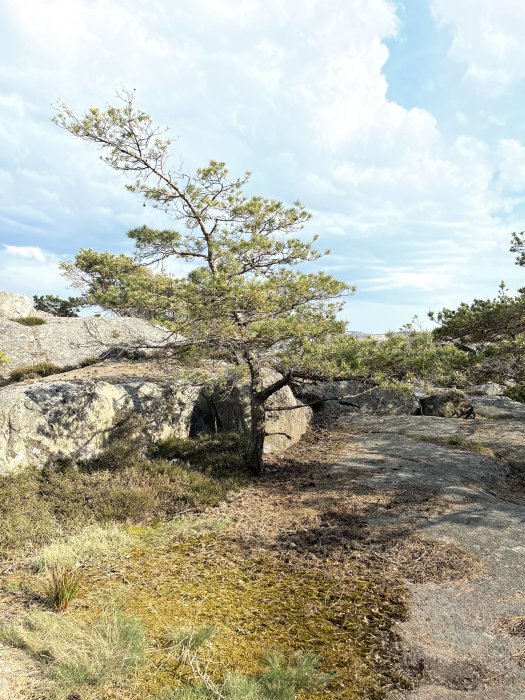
[
  {"x": 52, "y": 304},
  {"x": 245, "y": 300}
]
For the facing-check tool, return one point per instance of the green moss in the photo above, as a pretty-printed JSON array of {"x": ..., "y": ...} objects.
[{"x": 257, "y": 603}]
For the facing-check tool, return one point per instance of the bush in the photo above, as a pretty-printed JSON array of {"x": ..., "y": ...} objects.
[
  {"x": 27, "y": 519},
  {"x": 516, "y": 393},
  {"x": 40, "y": 369},
  {"x": 75, "y": 653},
  {"x": 29, "y": 320},
  {"x": 37, "y": 508},
  {"x": 221, "y": 454}
]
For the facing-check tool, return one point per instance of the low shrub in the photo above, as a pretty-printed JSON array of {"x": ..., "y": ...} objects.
[
  {"x": 40, "y": 369},
  {"x": 27, "y": 519},
  {"x": 516, "y": 392},
  {"x": 37, "y": 508},
  {"x": 219, "y": 454},
  {"x": 88, "y": 361},
  {"x": 29, "y": 320},
  {"x": 76, "y": 653}
]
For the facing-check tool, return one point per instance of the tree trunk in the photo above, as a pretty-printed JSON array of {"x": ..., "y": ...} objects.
[{"x": 257, "y": 435}]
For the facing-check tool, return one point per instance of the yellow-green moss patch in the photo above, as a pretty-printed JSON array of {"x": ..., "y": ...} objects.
[{"x": 257, "y": 603}]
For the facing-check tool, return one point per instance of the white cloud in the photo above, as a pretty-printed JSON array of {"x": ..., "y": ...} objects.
[
  {"x": 27, "y": 252},
  {"x": 487, "y": 40},
  {"x": 286, "y": 89},
  {"x": 29, "y": 270}
]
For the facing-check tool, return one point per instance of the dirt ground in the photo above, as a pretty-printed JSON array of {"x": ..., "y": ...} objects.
[
  {"x": 435, "y": 505},
  {"x": 443, "y": 513}
]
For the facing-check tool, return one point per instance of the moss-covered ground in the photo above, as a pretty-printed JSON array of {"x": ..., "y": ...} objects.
[
  {"x": 241, "y": 567},
  {"x": 258, "y": 603}
]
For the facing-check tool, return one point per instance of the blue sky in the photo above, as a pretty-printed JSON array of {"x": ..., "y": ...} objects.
[{"x": 398, "y": 124}]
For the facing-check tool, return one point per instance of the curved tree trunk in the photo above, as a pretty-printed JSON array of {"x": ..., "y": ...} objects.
[{"x": 257, "y": 435}]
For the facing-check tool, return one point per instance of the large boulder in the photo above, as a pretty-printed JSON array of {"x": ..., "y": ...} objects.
[
  {"x": 45, "y": 420},
  {"x": 74, "y": 415},
  {"x": 70, "y": 341},
  {"x": 356, "y": 397},
  {"x": 447, "y": 404},
  {"x": 229, "y": 411},
  {"x": 498, "y": 407},
  {"x": 14, "y": 305}
]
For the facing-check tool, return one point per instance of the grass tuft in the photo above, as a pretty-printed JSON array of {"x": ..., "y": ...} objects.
[
  {"x": 40, "y": 369},
  {"x": 29, "y": 320},
  {"x": 77, "y": 654},
  {"x": 63, "y": 586}
]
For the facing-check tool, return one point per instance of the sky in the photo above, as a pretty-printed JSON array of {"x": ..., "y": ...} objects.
[{"x": 399, "y": 125}]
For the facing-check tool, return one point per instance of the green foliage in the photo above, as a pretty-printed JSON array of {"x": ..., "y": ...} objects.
[
  {"x": 29, "y": 320},
  {"x": 518, "y": 246},
  {"x": 56, "y": 306},
  {"x": 218, "y": 454},
  {"x": 36, "y": 506},
  {"x": 501, "y": 361},
  {"x": 398, "y": 357},
  {"x": 245, "y": 301},
  {"x": 484, "y": 320},
  {"x": 40, "y": 369},
  {"x": 516, "y": 392},
  {"x": 27, "y": 519},
  {"x": 76, "y": 654},
  {"x": 3, "y": 359}
]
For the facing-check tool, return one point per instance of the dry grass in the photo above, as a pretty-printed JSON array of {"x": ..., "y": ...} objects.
[
  {"x": 77, "y": 655},
  {"x": 514, "y": 625},
  {"x": 29, "y": 320},
  {"x": 459, "y": 442},
  {"x": 94, "y": 544}
]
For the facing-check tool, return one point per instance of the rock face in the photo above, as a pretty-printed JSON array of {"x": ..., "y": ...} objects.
[
  {"x": 498, "y": 407},
  {"x": 488, "y": 389},
  {"x": 356, "y": 397},
  {"x": 45, "y": 420},
  {"x": 69, "y": 341},
  {"x": 447, "y": 404},
  {"x": 231, "y": 413},
  {"x": 73, "y": 415},
  {"x": 15, "y": 305}
]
